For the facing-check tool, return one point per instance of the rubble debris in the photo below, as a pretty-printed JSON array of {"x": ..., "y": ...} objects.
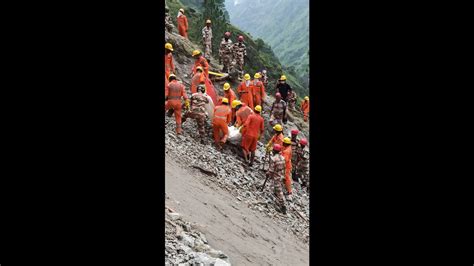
[{"x": 189, "y": 247}]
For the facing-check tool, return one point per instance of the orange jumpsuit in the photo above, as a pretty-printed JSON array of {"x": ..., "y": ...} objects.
[
  {"x": 197, "y": 79},
  {"x": 230, "y": 95},
  {"x": 242, "y": 115},
  {"x": 174, "y": 91},
  {"x": 201, "y": 61},
  {"x": 245, "y": 94},
  {"x": 254, "y": 125},
  {"x": 286, "y": 152},
  {"x": 169, "y": 66},
  {"x": 258, "y": 92},
  {"x": 183, "y": 26},
  {"x": 305, "y": 109},
  {"x": 222, "y": 116},
  {"x": 277, "y": 139}
]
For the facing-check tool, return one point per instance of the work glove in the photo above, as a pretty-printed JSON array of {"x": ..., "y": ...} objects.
[
  {"x": 187, "y": 103},
  {"x": 240, "y": 129}
]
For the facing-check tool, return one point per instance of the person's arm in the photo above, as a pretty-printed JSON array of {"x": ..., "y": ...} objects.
[
  {"x": 271, "y": 110},
  {"x": 229, "y": 117},
  {"x": 284, "y": 113},
  {"x": 166, "y": 92}
]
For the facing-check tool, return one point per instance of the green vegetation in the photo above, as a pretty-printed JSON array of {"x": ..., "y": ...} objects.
[
  {"x": 284, "y": 24},
  {"x": 259, "y": 54}
]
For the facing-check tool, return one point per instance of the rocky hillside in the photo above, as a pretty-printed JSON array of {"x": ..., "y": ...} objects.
[{"x": 259, "y": 54}]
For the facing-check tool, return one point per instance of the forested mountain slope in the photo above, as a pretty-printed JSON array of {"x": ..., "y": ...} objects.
[{"x": 283, "y": 24}]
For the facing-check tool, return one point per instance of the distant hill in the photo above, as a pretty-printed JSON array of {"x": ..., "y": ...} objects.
[{"x": 284, "y": 24}]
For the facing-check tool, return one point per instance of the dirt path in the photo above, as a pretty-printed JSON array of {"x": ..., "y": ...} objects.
[{"x": 246, "y": 236}]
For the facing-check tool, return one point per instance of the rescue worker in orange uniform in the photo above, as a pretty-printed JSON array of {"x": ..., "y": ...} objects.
[
  {"x": 277, "y": 137},
  {"x": 245, "y": 91},
  {"x": 287, "y": 154},
  {"x": 173, "y": 94},
  {"x": 169, "y": 66},
  {"x": 305, "y": 108},
  {"x": 182, "y": 23},
  {"x": 234, "y": 104},
  {"x": 222, "y": 116},
  {"x": 242, "y": 113},
  {"x": 254, "y": 126},
  {"x": 258, "y": 90},
  {"x": 229, "y": 94},
  {"x": 197, "y": 79},
  {"x": 200, "y": 61}
]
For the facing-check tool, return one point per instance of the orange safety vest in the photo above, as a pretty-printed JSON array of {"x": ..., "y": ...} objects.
[
  {"x": 175, "y": 90},
  {"x": 222, "y": 112}
]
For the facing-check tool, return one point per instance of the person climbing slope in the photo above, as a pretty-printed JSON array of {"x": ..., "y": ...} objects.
[
  {"x": 198, "y": 111},
  {"x": 182, "y": 23},
  {"x": 305, "y": 108},
  {"x": 276, "y": 171},
  {"x": 258, "y": 90},
  {"x": 200, "y": 61},
  {"x": 278, "y": 111},
  {"x": 169, "y": 65},
  {"x": 173, "y": 94},
  {"x": 222, "y": 117},
  {"x": 225, "y": 52},
  {"x": 245, "y": 91},
  {"x": 287, "y": 154},
  {"x": 254, "y": 126},
  {"x": 207, "y": 39},
  {"x": 283, "y": 88},
  {"x": 197, "y": 79}
]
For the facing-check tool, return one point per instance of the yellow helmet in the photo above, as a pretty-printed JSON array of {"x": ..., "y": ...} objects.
[
  {"x": 208, "y": 21},
  {"x": 226, "y": 86},
  {"x": 169, "y": 46},
  {"x": 196, "y": 52},
  {"x": 182, "y": 10},
  {"x": 257, "y": 75},
  {"x": 258, "y": 108},
  {"x": 287, "y": 140},
  {"x": 247, "y": 77},
  {"x": 283, "y": 77},
  {"x": 278, "y": 128},
  {"x": 306, "y": 98},
  {"x": 235, "y": 103},
  {"x": 225, "y": 100},
  {"x": 199, "y": 68}
]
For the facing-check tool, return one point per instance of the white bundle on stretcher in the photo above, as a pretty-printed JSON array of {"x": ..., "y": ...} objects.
[{"x": 235, "y": 137}]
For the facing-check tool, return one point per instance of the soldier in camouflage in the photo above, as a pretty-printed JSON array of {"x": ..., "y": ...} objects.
[
  {"x": 225, "y": 52},
  {"x": 264, "y": 78},
  {"x": 276, "y": 171},
  {"x": 207, "y": 39},
  {"x": 294, "y": 146},
  {"x": 239, "y": 52},
  {"x": 198, "y": 111},
  {"x": 278, "y": 111},
  {"x": 302, "y": 163},
  {"x": 291, "y": 100},
  {"x": 168, "y": 23}
]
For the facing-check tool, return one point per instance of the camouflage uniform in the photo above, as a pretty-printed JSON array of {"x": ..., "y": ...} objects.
[
  {"x": 264, "y": 79},
  {"x": 294, "y": 147},
  {"x": 277, "y": 113},
  {"x": 168, "y": 23},
  {"x": 292, "y": 100},
  {"x": 239, "y": 52},
  {"x": 198, "y": 113},
  {"x": 302, "y": 165},
  {"x": 207, "y": 41},
  {"x": 277, "y": 171},
  {"x": 225, "y": 54}
]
